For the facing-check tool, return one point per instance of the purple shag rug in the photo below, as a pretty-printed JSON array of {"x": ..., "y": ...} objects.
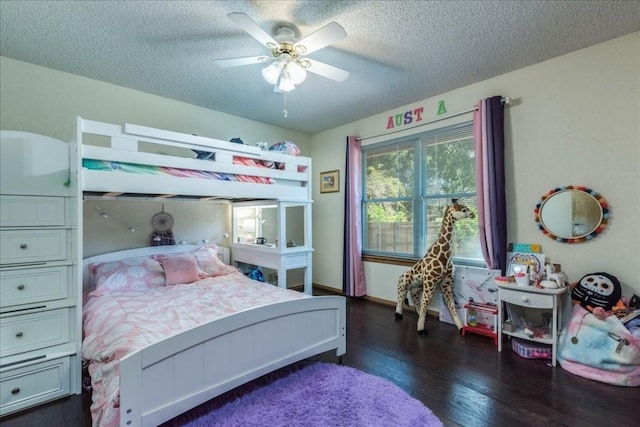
[{"x": 317, "y": 394}]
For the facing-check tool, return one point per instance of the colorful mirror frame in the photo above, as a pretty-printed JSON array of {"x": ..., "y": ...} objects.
[{"x": 593, "y": 232}]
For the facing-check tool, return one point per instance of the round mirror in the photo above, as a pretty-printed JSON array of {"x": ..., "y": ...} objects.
[{"x": 572, "y": 214}]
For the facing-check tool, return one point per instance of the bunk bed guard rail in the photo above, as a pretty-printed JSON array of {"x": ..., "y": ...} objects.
[{"x": 132, "y": 159}]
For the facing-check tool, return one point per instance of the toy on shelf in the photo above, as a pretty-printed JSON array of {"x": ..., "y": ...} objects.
[{"x": 481, "y": 319}]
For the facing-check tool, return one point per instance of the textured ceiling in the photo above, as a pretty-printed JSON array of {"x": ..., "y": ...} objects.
[{"x": 397, "y": 52}]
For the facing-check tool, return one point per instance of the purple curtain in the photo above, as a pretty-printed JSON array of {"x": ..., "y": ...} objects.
[
  {"x": 353, "y": 283},
  {"x": 488, "y": 134}
]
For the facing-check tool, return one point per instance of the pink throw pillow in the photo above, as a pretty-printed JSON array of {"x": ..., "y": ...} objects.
[
  {"x": 129, "y": 274},
  {"x": 180, "y": 268},
  {"x": 209, "y": 263}
]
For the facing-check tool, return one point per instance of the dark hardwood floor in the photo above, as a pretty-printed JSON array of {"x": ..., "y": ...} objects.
[{"x": 463, "y": 380}]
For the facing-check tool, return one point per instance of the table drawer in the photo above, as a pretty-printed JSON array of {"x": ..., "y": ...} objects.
[
  {"x": 33, "y": 331},
  {"x": 34, "y": 384},
  {"x": 526, "y": 299},
  {"x": 24, "y": 246},
  {"x": 295, "y": 260},
  {"x": 33, "y": 285},
  {"x": 20, "y": 211}
]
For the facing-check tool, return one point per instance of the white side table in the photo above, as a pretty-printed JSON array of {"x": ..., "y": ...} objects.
[{"x": 536, "y": 298}]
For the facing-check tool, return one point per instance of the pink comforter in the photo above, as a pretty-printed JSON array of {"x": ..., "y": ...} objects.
[{"x": 117, "y": 323}]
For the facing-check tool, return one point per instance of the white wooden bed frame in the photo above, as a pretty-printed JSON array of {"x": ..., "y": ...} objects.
[
  {"x": 141, "y": 145},
  {"x": 174, "y": 375}
]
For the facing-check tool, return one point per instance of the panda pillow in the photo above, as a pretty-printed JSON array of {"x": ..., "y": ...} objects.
[{"x": 597, "y": 290}]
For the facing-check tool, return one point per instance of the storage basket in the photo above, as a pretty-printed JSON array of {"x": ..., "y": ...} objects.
[{"x": 531, "y": 350}]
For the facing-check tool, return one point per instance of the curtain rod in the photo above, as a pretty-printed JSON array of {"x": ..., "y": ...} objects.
[{"x": 505, "y": 101}]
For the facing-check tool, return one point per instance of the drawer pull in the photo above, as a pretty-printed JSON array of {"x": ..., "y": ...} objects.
[
  {"x": 23, "y": 246},
  {"x": 21, "y": 287},
  {"x": 19, "y": 334},
  {"x": 15, "y": 390},
  {"x": 525, "y": 299}
]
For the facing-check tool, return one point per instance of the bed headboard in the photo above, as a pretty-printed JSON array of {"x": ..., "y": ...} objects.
[{"x": 223, "y": 254}]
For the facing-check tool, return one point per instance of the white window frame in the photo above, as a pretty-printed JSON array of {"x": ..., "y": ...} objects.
[{"x": 420, "y": 196}]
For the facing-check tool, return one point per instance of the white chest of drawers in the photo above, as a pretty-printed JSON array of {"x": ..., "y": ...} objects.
[{"x": 39, "y": 350}]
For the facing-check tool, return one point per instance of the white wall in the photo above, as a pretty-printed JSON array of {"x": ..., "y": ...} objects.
[
  {"x": 45, "y": 101},
  {"x": 194, "y": 222},
  {"x": 575, "y": 119}
]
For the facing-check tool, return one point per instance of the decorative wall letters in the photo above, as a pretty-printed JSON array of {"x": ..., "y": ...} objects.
[
  {"x": 406, "y": 118},
  {"x": 441, "y": 108}
]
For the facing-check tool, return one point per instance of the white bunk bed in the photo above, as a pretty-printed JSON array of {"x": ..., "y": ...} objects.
[{"x": 173, "y": 375}]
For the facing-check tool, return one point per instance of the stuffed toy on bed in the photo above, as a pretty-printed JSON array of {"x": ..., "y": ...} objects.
[
  {"x": 203, "y": 155},
  {"x": 285, "y": 147}
]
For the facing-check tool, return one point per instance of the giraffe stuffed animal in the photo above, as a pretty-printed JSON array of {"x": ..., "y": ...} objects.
[{"x": 434, "y": 267}]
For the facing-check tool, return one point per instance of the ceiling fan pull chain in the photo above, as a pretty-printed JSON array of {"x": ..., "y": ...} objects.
[{"x": 284, "y": 108}]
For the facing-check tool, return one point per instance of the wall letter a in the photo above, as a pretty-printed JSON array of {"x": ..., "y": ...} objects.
[{"x": 390, "y": 123}]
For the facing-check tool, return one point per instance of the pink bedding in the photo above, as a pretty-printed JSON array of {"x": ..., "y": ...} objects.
[
  {"x": 113, "y": 166},
  {"x": 118, "y": 322}
]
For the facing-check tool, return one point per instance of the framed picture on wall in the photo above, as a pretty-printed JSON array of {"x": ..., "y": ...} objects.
[{"x": 329, "y": 181}]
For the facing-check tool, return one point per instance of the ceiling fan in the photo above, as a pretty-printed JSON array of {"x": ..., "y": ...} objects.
[{"x": 288, "y": 61}]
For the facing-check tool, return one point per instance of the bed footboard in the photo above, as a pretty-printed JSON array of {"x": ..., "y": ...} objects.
[{"x": 181, "y": 372}]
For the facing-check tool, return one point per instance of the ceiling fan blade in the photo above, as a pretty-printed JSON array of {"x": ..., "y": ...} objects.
[
  {"x": 326, "y": 70},
  {"x": 235, "y": 62},
  {"x": 253, "y": 29},
  {"x": 330, "y": 33}
]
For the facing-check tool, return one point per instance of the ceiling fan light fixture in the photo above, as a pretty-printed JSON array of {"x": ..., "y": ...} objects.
[
  {"x": 284, "y": 73},
  {"x": 286, "y": 83},
  {"x": 288, "y": 66},
  {"x": 271, "y": 73},
  {"x": 296, "y": 72}
]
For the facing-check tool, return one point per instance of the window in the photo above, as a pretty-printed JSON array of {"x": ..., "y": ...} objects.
[{"x": 407, "y": 183}]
